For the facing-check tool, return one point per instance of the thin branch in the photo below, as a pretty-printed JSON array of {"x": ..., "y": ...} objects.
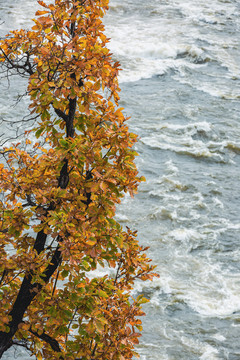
[
  {"x": 70, "y": 322},
  {"x": 94, "y": 349},
  {"x": 117, "y": 273},
  {"x": 49, "y": 340},
  {"x": 27, "y": 67},
  {"x": 55, "y": 284},
  {"x": 3, "y": 276},
  {"x": 4, "y": 231},
  {"x": 11, "y": 138},
  {"x": 23, "y": 343},
  {"x": 14, "y": 277}
]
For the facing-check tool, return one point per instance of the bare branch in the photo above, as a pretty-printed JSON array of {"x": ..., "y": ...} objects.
[{"x": 26, "y": 67}]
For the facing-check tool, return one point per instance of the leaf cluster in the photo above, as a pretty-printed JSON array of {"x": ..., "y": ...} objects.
[{"x": 57, "y": 226}]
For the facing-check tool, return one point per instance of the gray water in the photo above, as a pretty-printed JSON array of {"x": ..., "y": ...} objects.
[{"x": 181, "y": 86}]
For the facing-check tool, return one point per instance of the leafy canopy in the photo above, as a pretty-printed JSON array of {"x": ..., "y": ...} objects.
[{"x": 58, "y": 195}]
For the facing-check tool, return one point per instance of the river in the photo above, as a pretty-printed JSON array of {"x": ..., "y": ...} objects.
[{"x": 181, "y": 86}]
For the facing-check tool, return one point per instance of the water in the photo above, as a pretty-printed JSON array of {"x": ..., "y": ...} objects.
[{"x": 180, "y": 85}]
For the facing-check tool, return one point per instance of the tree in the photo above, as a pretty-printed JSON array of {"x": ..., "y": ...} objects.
[{"x": 58, "y": 195}]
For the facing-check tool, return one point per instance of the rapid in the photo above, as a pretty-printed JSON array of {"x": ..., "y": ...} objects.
[{"x": 181, "y": 86}]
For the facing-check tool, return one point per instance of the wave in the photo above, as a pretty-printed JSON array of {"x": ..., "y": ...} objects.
[
  {"x": 164, "y": 37},
  {"x": 195, "y": 139}
]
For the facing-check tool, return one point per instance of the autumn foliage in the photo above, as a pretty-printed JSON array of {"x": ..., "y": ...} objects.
[{"x": 59, "y": 193}]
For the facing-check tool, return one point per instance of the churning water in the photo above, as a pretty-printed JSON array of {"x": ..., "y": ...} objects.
[{"x": 181, "y": 86}]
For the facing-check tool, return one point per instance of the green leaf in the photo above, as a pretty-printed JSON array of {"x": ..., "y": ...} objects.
[
  {"x": 64, "y": 143},
  {"x": 64, "y": 273},
  {"x": 102, "y": 294},
  {"x": 39, "y": 132}
]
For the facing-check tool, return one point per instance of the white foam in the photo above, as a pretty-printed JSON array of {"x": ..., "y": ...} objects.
[
  {"x": 146, "y": 49},
  {"x": 197, "y": 139},
  {"x": 184, "y": 235},
  {"x": 219, "y": 337},
  {"x": 171, "y": 167},
  {"x": 149, "y": 46},
  {"x": 206, "y": 351},
  {"x": 210, "y": 353},
  {"x": 218, "y": 203},
  {"x": 121, "y": 217},
  {"x": 191, "y": 128},
  {"x": 220, "y": 89},
  {"x": 181, "y": 145},
  {"x": 203, "y": 285}
]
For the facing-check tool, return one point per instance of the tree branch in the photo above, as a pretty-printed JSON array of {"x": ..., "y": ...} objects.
[
  {"x": 49, "y": 340},
  {"x": 27, "y": 67},
  {"x": 3, "y": 276},
  {"x": 61, "y": 114},
  {"x": 28, "y": 291}
]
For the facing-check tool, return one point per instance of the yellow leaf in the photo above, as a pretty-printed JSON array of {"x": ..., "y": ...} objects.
[
  {"x": 41, "y": 12},
  {"x": 91, "y": 242},
  {"x": 99, "y": 325}
]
